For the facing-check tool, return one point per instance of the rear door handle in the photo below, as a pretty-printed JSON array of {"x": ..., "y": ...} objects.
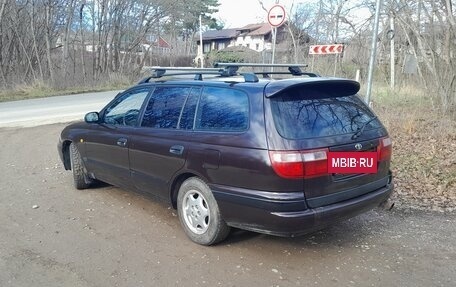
[
  {"x": 176, "y": 149},
  {"x": 122, "y": 142}
]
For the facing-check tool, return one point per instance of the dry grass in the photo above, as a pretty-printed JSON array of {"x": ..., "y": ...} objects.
[
  {"x": 41, "y": 90},
  {"x": 424, "y": 148},
  {"x": 36, "y": 89}
]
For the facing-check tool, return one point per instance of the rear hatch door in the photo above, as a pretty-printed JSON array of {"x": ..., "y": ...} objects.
[{"x": 326, "y": 115}]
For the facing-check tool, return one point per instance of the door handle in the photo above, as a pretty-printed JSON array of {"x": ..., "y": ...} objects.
[
  {"x": 122, "y": 142},
  {"x": 176, "y": 149}
]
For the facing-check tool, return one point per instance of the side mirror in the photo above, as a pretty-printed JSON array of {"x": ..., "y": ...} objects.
[{"x": 92, "y": 118}]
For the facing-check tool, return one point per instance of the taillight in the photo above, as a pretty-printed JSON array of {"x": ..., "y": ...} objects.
[
  {"x": 384, "y": 149},
  {"x": 315, "y": 162},
  {"x": 299, "y": 164}
]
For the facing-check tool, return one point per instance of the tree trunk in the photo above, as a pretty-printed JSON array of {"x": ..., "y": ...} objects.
[
  {"x": 2, "y": 72},
  {"x": 66, "y": 36},
  {"x": 83, "y": 46},
  {"x": 295, "y": 48},
  {"x": 48, "y": 41},
  {"x": 27, "y": 56},
  {"x": 35, "y": 46},
  {"x": 94, "y": 50},
  {"x": 449, "y": 31},
  {"x": 2, "y": 9}
]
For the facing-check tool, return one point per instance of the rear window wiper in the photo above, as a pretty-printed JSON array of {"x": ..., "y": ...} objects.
[{"x": 361, "y": 129}]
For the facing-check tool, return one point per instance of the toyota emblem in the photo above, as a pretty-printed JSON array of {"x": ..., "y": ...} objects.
[{"x": 358, "y": 146}]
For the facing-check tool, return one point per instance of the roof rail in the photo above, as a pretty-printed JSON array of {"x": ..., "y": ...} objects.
[
  {"x": 158, "y": 72},
  {"x": 293, "y": 69},
  {"x": 216, "y": 65}
]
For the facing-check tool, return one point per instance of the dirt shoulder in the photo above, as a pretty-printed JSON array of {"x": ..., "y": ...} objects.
[{"x": 107, "y": 236}]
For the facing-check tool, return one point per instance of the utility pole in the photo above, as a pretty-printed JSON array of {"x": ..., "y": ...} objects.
[
  {"x": 373, "y": 52},
  {"x": 200, "y": 50}
]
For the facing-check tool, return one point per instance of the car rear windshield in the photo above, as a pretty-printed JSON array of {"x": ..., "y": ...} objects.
[{"x": 300, "y": 114}]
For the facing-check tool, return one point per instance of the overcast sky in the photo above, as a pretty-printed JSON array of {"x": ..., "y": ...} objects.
[{"x": 238, "y": 13}]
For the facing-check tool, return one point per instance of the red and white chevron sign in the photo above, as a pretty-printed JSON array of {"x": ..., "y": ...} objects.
[{"x": 326, "y": 49}]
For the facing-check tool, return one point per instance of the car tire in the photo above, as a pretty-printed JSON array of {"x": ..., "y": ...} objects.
[
  {"x": 81, "y": 179},
  {"x": 199, "y": 214}
]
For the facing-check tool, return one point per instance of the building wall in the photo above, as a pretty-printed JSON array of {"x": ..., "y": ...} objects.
[
  {"x": 256, "y": 43},
  {"x": 216, "y": 45}
]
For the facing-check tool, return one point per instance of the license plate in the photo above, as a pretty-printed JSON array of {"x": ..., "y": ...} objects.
[{"x": 352, "y": 162}]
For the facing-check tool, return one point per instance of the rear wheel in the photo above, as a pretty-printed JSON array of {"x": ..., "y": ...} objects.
[
  {"x": 199, "y": 213},
  {"x": 81, "y": 179}
]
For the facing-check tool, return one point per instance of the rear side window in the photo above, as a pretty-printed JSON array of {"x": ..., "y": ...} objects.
[
  {"x": 222, "y": 109},
  {"x": 308, "y": 114},
  {"x": 164, "y": 107}
]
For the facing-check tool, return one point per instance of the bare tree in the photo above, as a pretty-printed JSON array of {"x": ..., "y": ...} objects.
[{"x": 53, "y": 41}]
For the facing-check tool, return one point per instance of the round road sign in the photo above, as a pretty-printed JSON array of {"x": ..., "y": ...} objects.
[{"x": 276, "y": 15}]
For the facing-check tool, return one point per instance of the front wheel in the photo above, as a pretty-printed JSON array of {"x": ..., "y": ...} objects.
[
  {"x": 81, "y": 179},
  {"x": 199, "y": 213}
]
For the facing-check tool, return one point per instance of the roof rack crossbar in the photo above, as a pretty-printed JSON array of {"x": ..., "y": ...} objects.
[
  {"x": 158, "y": 72},
  {"x": 181, "y": 69},
  {"x": 266, "y": 75},
  {"x": 293, "y": 69},
  {"x": 219, "y": 65},
  {"x": 226, "y": 70}
]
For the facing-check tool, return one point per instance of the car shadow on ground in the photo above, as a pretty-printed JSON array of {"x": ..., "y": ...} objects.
[
  {"x": 99, "y": 185},
  {"x": 344, "y": 233},
  {"x": 239, "y": 236}
]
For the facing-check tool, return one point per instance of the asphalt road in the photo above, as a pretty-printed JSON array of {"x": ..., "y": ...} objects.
[
  {"x": 54, "y": 235},
  {"x": 58, "y": 109}
]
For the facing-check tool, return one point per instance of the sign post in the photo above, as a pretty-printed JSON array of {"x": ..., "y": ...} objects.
[{"x": 276, "y": 17}]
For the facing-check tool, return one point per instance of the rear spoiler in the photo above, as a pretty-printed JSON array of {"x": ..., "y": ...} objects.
[{"x": 331, "y": 87}]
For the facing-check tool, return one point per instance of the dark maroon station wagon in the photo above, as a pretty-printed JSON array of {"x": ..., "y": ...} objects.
[{"x": 233, "y": 150}]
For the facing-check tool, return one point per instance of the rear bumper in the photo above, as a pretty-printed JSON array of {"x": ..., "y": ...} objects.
[{"x": 281, "y": 218}]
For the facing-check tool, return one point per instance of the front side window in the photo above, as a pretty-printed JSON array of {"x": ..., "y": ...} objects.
[
  {"x": 164, "y": 107},
  {"x": 222, "y": 109},
  {"x": 125, "y": 110}
]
